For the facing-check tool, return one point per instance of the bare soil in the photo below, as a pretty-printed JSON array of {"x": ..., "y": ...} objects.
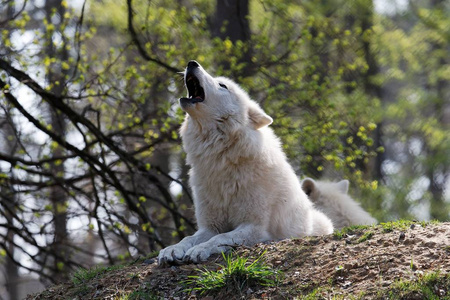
[{"x": 363, "y": 263}]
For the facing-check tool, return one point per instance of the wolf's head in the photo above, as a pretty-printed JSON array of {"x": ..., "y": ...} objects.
[
  {"x": 219, "y": 100},
  {"x": 317, "y": 191}
]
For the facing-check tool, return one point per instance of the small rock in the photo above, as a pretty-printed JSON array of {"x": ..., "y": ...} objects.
[
  {"x": 148, "y": 261},
  {"x": 401, "y": 237},
  {"x": 408, "y": 242},
  {"x": 386, "y": 283},
  {"x": 364, "y": 272},
  {"x": 339, "y": 269},
  {"x": 97, "y": 293},
  {"x": 173, "y": 270},
  {"x": 346, "y": 284},
  {"x": 430, "y": 244},
  {"x": 334, "y": 248}
]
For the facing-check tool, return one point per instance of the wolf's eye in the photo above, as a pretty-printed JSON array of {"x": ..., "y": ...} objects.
[{"x": 223, "y": 85}]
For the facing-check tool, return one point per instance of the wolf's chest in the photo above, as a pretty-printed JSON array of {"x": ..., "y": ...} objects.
[{"x": 222, "y": 183}]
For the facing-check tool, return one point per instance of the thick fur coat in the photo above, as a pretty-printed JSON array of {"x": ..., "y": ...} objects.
[
  {"x": 244, "y": 189},
  {"x": 333, "y": 200}
]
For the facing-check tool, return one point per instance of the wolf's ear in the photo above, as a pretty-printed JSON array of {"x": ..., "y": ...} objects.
[
  {"x": 343, "y": 186},
  {"x": 258, "y": 118},
  {"x": 308, "y": 186}
]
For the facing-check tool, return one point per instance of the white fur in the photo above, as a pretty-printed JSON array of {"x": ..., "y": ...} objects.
[
  {"x": 244, "y": 189},
  {"x": 332, "y": 199}
]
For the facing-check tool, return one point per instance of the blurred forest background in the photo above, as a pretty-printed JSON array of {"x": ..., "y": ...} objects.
[{"x": 91, "y": 165}]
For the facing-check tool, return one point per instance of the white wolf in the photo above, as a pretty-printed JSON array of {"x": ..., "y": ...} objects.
[
  {"x": 332, "y": 199},
  {"x": 244, "y": 189}
]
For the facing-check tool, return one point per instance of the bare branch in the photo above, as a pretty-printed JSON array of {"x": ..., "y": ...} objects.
[{"x": 141, "y": 50}]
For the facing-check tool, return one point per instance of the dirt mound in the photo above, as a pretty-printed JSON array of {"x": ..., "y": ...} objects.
[{"x": 401, "y": 260}]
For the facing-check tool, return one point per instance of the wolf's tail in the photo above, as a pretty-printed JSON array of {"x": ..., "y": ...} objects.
[{"x": 322, "y": 225}]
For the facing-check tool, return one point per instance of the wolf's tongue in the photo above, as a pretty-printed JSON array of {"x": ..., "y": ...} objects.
[{"x": 198, "y": 99}]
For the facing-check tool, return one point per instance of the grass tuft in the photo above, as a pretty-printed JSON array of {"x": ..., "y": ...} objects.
[
  {"x": 429, "y": 286},
  {"x": 403, "y": 225},
  {"x": 84, "y": 275},
  {"x": 141, "y": 259},
  {"x": 141, "y": 294},
  {"x": 344, "y": 232},
  {"x": 236, "y": 274},
  {"x": 366, "y": 236}
]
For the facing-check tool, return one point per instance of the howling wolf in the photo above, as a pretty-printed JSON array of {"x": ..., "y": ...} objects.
[{"x": 244, "y": 189}]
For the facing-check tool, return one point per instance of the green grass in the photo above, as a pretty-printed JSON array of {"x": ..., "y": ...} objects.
[
  {"x": 81, "y": 290},
  {"x": 315, "y": 294},
  {"x": 236, "y": 274},
  {"x": 141, "y": 259},
  {"x": 329, "y": 292},
  {"x": 431, "y": 286},
  {"x": 366, "y": 236},
  {"x": 84, "y": 275},
  {"x": 141, "y": 294},
  {"x": 344, "y": 232},
  {"x": 403, "y": 225}
]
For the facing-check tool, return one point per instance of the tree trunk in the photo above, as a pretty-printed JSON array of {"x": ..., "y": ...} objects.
[
  {"x": 373, "y": 90},
  {"x": 231, "y": 22},
  {"x": 58, "y": 196},
  {"x": 11, "y": 269}
]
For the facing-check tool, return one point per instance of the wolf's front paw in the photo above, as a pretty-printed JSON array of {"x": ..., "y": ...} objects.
[
  {"x": 201, "y": 253},
  {"x": 172, "y": 255}
]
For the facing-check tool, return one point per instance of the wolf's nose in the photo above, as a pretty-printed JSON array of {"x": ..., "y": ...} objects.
[{"x": 193, "y": 64}]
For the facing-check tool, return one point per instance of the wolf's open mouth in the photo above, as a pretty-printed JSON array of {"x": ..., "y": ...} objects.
[{"x": 195, "y": 91}]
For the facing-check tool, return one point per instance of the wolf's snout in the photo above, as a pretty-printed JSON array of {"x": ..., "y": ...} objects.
[
  {"x": 193, "y": 64},
  {"x": 196, "y": 93}
]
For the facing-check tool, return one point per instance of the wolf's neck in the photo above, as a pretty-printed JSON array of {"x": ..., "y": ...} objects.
[{"x": 206, "y": 144}]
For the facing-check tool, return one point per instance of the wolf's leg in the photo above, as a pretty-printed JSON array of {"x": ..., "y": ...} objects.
[
  {"x": 175, "y": 253},
  {"x": 246, "y": 234}
]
